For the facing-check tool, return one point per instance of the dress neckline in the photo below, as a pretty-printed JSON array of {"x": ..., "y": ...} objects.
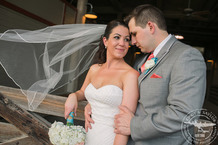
[{"x": 105, "y": 86}]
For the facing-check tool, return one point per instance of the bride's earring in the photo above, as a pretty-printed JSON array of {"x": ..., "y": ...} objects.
[{"x": 105, "y": 47}]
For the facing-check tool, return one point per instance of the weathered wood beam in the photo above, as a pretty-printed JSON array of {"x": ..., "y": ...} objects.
[
  {"x": 24, "y": 120},
  {"x": 10, "y": 135},
  {"x": 51, "y": 105},
  {"x": 9, "y": 131},
  {"x": 23, "y": 140}
]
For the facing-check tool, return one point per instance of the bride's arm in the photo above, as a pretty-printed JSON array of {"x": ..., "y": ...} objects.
[
  {"x": 71, "y": 103},
  {"x": 130, "y": 99}
]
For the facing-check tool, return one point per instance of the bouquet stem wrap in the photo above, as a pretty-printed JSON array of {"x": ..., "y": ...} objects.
[{"x": 70, "y": 119}]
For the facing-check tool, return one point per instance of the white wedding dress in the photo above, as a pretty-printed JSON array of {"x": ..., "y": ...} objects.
[{"x": 104, "y": 103}]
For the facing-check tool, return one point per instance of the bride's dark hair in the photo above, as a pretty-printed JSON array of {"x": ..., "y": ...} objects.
[{"x": 100, "y": 56}]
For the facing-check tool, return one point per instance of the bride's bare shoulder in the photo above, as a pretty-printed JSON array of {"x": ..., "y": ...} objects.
[
  {"x": 130, "y": 74},
  {"x": 95, "y": 67},
  {"x": 131, "y": 71},
  {"x": 130, "y": 77}
]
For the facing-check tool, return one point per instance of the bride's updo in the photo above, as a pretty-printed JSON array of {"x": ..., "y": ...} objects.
[{"x": 102, "y": 51}]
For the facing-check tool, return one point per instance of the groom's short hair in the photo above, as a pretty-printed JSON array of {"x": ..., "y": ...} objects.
[{"x": 144, "y": 13}]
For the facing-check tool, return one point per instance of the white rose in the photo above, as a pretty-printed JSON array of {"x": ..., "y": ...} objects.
[{"x": 149, "y": 64}]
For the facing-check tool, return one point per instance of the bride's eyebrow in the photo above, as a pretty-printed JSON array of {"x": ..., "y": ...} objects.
[
  {"x": 120, "y": 35},
  {"x": 117, "y": 34}
]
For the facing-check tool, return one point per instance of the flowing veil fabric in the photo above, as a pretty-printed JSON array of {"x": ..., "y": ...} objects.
[{"x": 44, "y": 60}]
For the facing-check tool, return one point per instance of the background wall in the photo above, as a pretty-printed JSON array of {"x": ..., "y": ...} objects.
[
  {"x": 51, "y": 10},
  {"x": 10, "y": 19},
  {"x": 33, "y": 15}
]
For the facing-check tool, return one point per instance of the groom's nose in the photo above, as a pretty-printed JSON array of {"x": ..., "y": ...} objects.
[{"x": 133, "y": 40}]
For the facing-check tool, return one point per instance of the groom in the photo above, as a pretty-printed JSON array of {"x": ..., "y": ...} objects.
[{"x": 169, "y": 90}]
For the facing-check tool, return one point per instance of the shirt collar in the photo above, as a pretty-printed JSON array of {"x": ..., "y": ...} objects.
[{"x": 160, "y": 46}]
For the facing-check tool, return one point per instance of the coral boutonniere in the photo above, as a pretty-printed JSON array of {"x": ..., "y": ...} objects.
[{"x": 150, "y": 63}]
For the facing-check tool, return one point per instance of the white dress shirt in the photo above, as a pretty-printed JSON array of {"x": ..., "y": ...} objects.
[{"x": 160, "y": 46}]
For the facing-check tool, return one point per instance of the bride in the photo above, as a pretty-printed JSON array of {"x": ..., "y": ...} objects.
[{"x": 108, "y": 84}]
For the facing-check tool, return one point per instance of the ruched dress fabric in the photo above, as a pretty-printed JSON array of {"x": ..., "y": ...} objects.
[{"x": 104, "y": 102}]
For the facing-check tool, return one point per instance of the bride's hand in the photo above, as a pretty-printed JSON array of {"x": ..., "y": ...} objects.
[
  {"x": 71, "y": 105},
  {"x": 88, "y": 119}
]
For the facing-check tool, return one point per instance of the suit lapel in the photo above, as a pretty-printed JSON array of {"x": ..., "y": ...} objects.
[{"x": 163, "y": 52}]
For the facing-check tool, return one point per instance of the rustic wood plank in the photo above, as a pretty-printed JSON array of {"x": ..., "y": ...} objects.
[
  {"x": 43, "y": 120},
  {"x": 23, "y": 140},
  {"x": 24, "y": 120},
  {"x": 9, "y": 131},
  {"x": 51, "y": 105}
]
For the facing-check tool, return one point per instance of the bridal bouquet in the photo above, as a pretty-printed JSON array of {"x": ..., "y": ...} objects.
[{"x": 69, "y": 134}]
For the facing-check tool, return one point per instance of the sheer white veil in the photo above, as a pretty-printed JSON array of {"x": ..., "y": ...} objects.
[{"x": 44, "y": 60}]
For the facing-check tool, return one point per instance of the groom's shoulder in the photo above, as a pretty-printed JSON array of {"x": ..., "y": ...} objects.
[{"x": 180, "y": 48}]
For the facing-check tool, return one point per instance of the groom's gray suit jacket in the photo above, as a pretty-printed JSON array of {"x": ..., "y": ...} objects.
[{"x": 165, "y": 101}]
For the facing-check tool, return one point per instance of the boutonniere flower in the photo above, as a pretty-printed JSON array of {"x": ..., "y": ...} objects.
[{"x": 150, "y": 63}]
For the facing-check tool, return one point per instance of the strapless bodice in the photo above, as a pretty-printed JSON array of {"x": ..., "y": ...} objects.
[{"x": 104, "y": 102}]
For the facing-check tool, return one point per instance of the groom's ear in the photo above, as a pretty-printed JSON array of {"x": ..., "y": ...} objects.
[{"x": 151, "y": 26}]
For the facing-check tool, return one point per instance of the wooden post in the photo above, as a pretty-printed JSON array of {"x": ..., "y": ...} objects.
[
  {"x": 81, "y": 7},
  {"x": 24, "y": 121}
]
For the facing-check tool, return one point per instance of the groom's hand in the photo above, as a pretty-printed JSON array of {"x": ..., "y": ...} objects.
[
  {"x": 122, "y": 121},
  {"x": 88, "y": 119}
]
